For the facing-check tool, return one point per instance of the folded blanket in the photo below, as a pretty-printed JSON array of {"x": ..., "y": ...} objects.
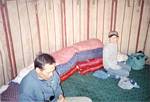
[
  {"x": 81, "y": 56},
  {"x": 87, "y": 47}
]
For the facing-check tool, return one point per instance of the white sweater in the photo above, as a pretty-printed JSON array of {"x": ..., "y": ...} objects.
[{"x": 110, "y": 56}]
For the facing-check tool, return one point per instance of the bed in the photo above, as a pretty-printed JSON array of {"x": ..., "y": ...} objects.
[{"x": 82, "y": 57}]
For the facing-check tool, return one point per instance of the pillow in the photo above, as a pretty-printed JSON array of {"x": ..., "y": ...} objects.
[
  {"x": 3, "y": 88},
  {"x": 23, "y": 73},
  {"x": 64, "y": 55},
  {"x": 88, "y": 45}
]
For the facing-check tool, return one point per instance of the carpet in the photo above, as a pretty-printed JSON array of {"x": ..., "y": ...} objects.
[{"x": 107, "y": 90}]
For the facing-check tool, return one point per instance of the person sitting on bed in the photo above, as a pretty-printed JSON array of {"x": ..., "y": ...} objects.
[
  {"x": 42, "y": 84},
  {"x": 110, "y": 53}
]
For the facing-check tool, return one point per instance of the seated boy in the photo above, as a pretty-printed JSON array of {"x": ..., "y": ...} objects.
[{"x": 110, "y": 62}]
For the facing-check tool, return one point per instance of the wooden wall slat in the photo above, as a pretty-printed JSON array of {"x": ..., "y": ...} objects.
[
  {"x": 147, "y": 48},
  {"x": 100, "y": 17},
  {"x": 107, "y": 18},
  {"x": 126, "y": 26},
  {"x": 5, "y": 72},
  {"x": 76, "y": 20},
  {"x": 120, "y": 20},
  {"x": 33, "y": 27},
  {"x": 43, "y": 25},
  {"x": 63, "y": 18},
  {"x": 69, "y": 22},
  {"x": 144, "y": 25},
  {"x": 147, "y": 42},
  {"x": 2, "y": 78},
  {"x": 1, "y": 48},
  {"x": 46, "y": 16},
  {"x": 93, "y": 19},
  {"x": 16, "y": 33},
  {"x": 134, "y": 27},
  {"x": 58, "y": 23},
  {"x": 51, "y": 25},
  {"x": 83, "y": 14},
  {"x": 25, "y": 33}
]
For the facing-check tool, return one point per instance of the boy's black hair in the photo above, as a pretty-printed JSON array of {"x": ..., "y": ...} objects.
[
  {"x": 113, "y": 33},
  {"x": 43, "y": 59}
]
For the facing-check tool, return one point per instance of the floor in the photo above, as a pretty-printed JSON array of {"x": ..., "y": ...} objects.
[{"x": 100, "y": 90}]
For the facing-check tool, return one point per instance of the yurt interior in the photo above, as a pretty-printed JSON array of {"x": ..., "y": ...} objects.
[{"x": 91, "y": 43}]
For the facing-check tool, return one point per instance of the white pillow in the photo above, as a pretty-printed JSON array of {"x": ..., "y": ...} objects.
[
  {"x": 3, "y": 88},
  {"x": 23, "y": 73}
]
